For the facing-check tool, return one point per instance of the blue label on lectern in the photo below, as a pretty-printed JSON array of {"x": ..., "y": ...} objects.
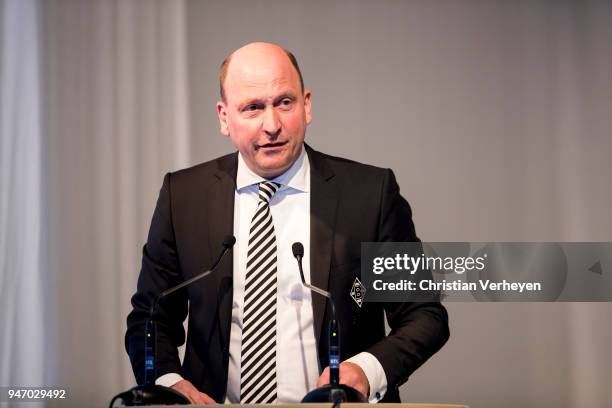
[{"x": 149, "y": 363}]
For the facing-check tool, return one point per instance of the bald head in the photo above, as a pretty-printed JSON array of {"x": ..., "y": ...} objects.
[{"x": 251, "y": 56}]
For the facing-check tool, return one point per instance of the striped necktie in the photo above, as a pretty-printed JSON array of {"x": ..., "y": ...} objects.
[{"x": 258, "y": 366}]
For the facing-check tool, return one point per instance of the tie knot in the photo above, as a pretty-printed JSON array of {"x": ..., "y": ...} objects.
[{"x": 267, "y": 190}]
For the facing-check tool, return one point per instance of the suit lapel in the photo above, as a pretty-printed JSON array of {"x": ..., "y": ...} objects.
[
  {"x": 323, "y": 204},
  {"x": 221, "y": 202}
]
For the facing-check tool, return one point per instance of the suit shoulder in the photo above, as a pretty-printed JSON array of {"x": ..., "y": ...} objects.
[
  {"x": 351, "y": 169},
  {"x": 206, "y": 170}
]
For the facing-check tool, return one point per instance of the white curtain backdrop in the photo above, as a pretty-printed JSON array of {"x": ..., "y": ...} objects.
[
  {"x": 22, "y": 271},
  {"x": 496, "y": 117},
  {"x": 117, "y": 119}
]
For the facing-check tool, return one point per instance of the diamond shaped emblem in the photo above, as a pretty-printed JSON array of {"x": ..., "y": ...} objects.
[{"x": 357, "y": 292}]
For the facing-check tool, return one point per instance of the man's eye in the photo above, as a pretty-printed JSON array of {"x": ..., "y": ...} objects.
[
  {"x": 286, "y": 102},
  {"x": 251, "y": 108}
]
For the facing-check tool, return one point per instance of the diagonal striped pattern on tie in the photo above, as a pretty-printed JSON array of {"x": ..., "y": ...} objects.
[{"x": 258, "y": 366}]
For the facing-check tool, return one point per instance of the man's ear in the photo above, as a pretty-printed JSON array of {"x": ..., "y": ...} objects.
[
  {"x": 222, "y": 114},
  {"x": 307, "y": 106}
]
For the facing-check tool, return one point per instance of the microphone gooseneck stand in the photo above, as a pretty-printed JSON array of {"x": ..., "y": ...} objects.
[
  {"x": 149, "y": 393},
  {"x": 334, "y": 391}
]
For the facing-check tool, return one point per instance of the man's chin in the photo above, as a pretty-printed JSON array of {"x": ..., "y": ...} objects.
[{"x": 272, "y": 170}]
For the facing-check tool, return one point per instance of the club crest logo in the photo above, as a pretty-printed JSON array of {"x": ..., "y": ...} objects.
[{"x": 357, "y": 292}]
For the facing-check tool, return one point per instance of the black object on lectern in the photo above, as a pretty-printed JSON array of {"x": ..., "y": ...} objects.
[
  {"x": 149, "y": 393},
  {"x": 334, "y": 391}
]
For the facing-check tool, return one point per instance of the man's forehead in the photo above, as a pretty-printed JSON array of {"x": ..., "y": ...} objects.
[
  {"x": 251, "y": 80},
  {"x": 261, "y": 66},
  {"x": 250, "y": 89},
  {"x": 259, "y": 79}
]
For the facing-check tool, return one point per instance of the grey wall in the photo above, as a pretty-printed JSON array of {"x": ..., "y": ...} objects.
[{"x": 495, "y": 116}]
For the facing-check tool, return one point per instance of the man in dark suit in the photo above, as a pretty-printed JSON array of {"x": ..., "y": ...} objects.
[{"x": 329, "y": 204}]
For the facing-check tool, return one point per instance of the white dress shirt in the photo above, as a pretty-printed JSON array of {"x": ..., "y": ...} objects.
[{"x": 297, "y": 364}]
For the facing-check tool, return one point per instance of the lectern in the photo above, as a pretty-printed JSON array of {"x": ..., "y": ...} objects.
[{"x": 325, "y": 405}]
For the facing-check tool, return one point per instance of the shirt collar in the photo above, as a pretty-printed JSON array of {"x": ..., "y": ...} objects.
[{"x": 296, "y": 177}]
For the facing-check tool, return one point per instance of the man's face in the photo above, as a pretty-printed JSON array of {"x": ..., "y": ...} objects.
[{"x": 265, "y": 113}]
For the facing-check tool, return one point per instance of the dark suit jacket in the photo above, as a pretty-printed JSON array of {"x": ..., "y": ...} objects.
[{"x": 350, "y": 203}]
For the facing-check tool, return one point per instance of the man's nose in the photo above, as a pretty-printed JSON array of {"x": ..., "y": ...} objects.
[{"x": 271, "y": 123}]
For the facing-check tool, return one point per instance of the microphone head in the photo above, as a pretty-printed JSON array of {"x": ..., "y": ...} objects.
[
  {"x": 228, "y": 241},
  {"x": 298, "y": 249}
]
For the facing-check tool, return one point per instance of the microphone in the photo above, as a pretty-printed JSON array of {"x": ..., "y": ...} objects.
[
  {"x": 298, "y": 253},
  {"x": 334, "y": 391},
  {"x": 149, "y": 393},
  {"x": 227, "y": 243}
]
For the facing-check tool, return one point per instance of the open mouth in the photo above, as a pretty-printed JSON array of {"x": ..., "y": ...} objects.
[{"x": 271, "y": 145}]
